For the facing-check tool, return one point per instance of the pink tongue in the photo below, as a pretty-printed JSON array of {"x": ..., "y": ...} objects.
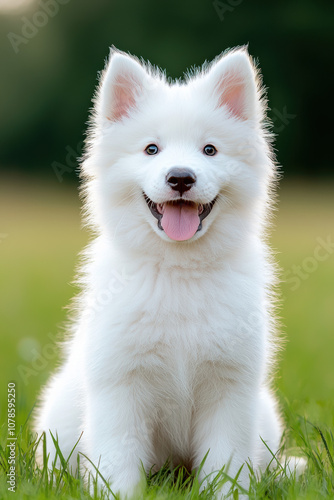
[{"x": 180, "y": 222}]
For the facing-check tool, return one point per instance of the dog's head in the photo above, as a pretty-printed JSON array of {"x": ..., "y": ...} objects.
[{"x": 169, "y": 161}]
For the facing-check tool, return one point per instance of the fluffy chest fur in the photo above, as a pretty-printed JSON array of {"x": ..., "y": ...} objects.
[{"x": 173, "y": 324}]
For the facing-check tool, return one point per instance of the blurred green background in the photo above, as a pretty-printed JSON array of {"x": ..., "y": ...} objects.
[{"x": 50, "y": 53}]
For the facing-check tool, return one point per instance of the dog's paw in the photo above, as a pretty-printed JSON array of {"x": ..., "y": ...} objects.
[
  {"x": 294, "y": 466},
  {"x": 127, "y": 486}
]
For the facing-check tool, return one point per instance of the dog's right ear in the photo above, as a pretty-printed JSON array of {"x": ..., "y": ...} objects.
[
  {"x": 122, "y": 84},
  {"x": 233, "y": 81}
]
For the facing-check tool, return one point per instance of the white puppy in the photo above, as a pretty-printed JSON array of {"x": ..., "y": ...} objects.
[{"x": 173, "y": 338}]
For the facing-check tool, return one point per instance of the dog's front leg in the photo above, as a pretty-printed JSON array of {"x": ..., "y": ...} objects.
[
  {"x": 118, "y": 436},
  {"x": 225, "y": 428}
]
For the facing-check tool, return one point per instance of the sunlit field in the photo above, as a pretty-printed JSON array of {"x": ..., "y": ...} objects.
[{"x": 41, "y": 236}]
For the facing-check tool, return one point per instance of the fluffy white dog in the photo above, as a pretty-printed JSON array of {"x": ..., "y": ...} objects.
[{"x": 173, "y": 338}]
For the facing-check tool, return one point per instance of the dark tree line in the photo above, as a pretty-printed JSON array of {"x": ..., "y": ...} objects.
[{"x": 51, "y": 53}]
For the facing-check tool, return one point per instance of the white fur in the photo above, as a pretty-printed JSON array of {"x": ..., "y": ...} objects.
[{"x": 173, "y": 339}]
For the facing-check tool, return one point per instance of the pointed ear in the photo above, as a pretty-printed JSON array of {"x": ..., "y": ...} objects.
[
  {"x": 233, "y": 78},
  {"x": 123, "y": 82}
]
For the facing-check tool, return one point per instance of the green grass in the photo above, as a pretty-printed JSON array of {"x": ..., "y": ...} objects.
[
  {"x": 40, "y": 238},
  {"x": 314, "y": 443}
]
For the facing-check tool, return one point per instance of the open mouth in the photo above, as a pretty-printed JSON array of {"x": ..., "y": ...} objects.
[{"x": 180, "y": 219}]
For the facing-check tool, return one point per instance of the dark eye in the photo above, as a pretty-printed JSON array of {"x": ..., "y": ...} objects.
[
  {"x": 152, "y": 149},
  {"x": 209, "y": 150}
]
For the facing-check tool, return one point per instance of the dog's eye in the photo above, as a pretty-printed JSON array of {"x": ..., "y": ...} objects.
[
  {"x": 209, "y": 150},
  {"x": 152, "y": 149}
]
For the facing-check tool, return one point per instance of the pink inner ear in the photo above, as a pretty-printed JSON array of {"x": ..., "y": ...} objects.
[
  {"x": 232, "y": 94},
  {"x": 123, "y": 97}
]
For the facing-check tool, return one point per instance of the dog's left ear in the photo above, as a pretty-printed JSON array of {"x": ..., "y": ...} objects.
[
  {"x": 233, "y": 80},
  {"x": 123, "y": 83}
]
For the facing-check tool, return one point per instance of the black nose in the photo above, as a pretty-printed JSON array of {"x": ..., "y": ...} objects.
[{"x": 181, "y": 179}]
